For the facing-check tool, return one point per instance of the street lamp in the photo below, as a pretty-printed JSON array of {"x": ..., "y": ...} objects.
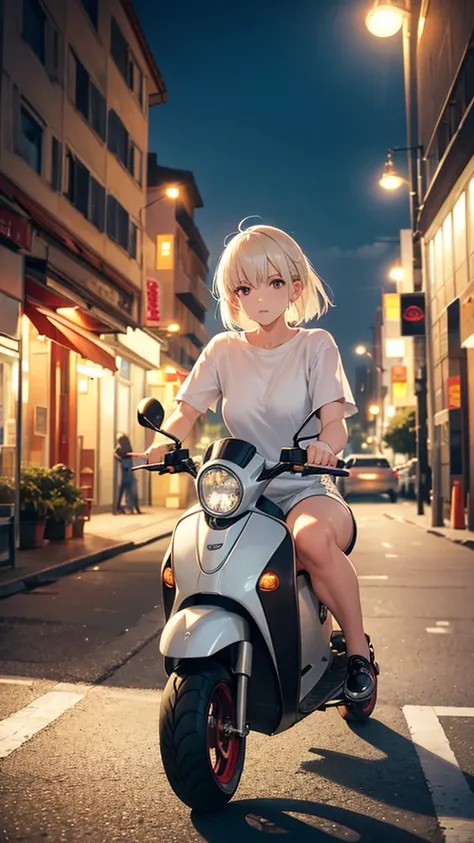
[
  {"x": 390, "y": 179},
  {"x": 374, "y": 410},
  {"x": 396, "y": 273},
  {"x": 385, "y": 19},
  {"x": 172, "y": 192}
]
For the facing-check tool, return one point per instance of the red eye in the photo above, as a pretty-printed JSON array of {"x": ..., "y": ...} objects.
[{"x": 413, "y": 314}]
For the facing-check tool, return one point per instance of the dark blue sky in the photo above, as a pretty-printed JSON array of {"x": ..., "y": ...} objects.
[{"x": 286, "y": 110}]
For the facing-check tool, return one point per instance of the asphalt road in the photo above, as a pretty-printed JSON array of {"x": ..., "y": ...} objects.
[{"x": 91, "y": 769}]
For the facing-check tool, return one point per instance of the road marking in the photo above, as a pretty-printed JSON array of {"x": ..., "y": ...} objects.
[
  {"x": 452, "y": 797},
  {"x": 453, "y": 711},
  {"x": 387, "y": 545},
  {"x": 438, "y": 630},
  {"x": 16, "y": 680},
  {"x": 373, "y": 577},
  {"x": 443, "y": 623},
  {"x": 391, "y": 556},
  {"x": 31, "y": 719}
]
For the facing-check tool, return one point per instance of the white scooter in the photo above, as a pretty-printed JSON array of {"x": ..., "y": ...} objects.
[{"x": 247, "y": 643}]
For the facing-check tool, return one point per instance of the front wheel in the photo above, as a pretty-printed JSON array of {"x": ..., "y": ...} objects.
[{"x": 202, "y": 761}]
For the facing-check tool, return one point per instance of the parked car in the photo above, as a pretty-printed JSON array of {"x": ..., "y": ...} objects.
[
  {"x": 370, "y": 475},
  {"x": 407, "y": 479}
]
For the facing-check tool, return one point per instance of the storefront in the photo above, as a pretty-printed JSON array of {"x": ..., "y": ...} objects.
[{"x": 15, "y": 237}]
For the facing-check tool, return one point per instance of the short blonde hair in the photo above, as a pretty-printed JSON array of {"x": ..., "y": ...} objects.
[{"x": 250, "y": 257}]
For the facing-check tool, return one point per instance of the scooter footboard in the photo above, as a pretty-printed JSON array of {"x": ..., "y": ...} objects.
[{"x": 201, "y": 631}]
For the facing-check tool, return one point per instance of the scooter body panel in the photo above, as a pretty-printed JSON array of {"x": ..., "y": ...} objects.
[{"x": 201, "y": 632}]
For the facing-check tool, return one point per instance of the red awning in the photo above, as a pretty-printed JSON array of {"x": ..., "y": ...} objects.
[{"x": 62, "y": 331}]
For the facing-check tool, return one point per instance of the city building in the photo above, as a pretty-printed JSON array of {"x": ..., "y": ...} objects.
[
  {"x": 77, "y": 82},
  {"x": 444, "y": 49},
  {"x": 177, "y": 297}
]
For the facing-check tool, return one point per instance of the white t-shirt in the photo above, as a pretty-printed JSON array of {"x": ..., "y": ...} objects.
[{"x": 267, "y": 393}]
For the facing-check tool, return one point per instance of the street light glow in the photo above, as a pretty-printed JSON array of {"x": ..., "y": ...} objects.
[
  {"x": 397, "y": 273},
  {"x": 172, "y": 192},
  {"x": 360, "y": 350},
  {"x": 390, "y": 179},
  {"x": 374, "y": 409},
  {"x": 173, "y": 328},
  {"x": 384, "y": 20}
]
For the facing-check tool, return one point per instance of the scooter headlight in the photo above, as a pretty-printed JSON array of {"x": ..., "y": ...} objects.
[{"x": 220, "y": 491}]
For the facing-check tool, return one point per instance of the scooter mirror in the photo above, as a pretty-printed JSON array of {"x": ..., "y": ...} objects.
[{"x": 150, "y": 413}]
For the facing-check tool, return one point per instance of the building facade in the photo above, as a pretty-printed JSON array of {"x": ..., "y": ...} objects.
[
  {"x": 177, "y": 297},
  {"x": 445, "y": 74},
  {"x": 77, "y": 82}
]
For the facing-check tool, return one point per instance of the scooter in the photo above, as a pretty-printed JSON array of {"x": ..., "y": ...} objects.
[{"x": 247, "y": 645}]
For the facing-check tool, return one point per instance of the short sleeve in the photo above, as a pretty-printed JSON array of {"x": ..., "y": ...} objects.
[
  {"x": 327, "y": 378},
  {"x": 201, "y": 389}
]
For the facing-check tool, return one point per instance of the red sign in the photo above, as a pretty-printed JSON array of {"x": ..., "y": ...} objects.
[
  {"x": 454, "y": 393},
  {"x": 16, "y": 229},
  {"x": 413, "y": 314},
  {"x": 152, "y": 303}
]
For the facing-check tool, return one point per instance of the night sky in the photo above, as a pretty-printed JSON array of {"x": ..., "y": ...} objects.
[{"x": 286, "y": 110}]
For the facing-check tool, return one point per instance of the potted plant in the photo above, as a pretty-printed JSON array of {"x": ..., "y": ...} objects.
[
  {"x": 33, "y": 509},
  {"x": 60, "y": 517},
  {"x": 79, "y": 509}
]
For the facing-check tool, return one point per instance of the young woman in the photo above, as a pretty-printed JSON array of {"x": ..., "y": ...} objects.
[
  {"x": 271, "y": 374},
  {"x": 128, "y": 481}
]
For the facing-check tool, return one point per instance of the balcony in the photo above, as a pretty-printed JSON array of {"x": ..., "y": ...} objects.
[
  {"x": 195, "y": 241},
  {"x": 192, "y": 291}
]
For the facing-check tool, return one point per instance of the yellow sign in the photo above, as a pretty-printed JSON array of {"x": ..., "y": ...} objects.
[
  {"x": 165, "y": 251},
  {"x": 391, "y": 307}
]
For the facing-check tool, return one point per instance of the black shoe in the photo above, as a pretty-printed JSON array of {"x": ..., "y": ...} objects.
[{"x": 360, "y": 680}]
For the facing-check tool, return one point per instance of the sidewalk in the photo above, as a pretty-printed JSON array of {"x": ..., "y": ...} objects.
[
  {"x": 405, "y": 511},
  {"x": 105, "y": 536}
]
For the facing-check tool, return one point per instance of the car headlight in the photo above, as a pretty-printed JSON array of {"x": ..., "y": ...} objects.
[{"x": 220, "y": 491}]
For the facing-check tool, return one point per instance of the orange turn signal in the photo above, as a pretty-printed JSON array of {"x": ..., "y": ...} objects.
[
  {"x": 269, "y": 582},
  {"x": 168, "y": 577}
]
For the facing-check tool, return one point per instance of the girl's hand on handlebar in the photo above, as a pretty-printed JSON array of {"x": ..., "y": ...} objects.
[
  {"x": 321, "y": 454},
  {"x": 156, "y": 453}
]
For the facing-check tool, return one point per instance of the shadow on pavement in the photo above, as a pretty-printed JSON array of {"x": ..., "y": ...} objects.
[{"x": 298, "y": 821}]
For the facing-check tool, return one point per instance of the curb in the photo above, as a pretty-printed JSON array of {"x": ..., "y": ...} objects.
[
  {"x": 432, "y": 531},
  {"x": 47, "y": 575}
]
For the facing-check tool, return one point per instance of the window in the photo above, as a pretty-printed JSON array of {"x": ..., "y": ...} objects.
[
  {"x": 120, "y": 228},
  {"x": 85, "y": 193},
  {"x": 34, "y": 27},
  {"x": 92, "y": 9},
  {"x": 370, "y": 462},
  {"x": 119, "y": 48},
  {"x": 86, "y": 96},
  {"x": 56, "y": 165},
  {"x": 30, "y": 139},
  {"x": 119, "y": 143},
  {"x": 126, "y": 64}
]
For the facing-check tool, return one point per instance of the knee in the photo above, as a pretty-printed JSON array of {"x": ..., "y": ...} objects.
[{"x": 315, "y": 542}]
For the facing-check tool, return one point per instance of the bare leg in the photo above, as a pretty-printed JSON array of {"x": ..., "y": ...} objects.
[{"x": 321, "y": 526}]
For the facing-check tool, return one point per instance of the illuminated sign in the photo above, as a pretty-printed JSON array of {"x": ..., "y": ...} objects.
[
  {"x": 413, "y": 315},
  {"x": 152, "y": 303},
  {"x": 15, "y": 228},
  {"x": 399, "y": 374}
]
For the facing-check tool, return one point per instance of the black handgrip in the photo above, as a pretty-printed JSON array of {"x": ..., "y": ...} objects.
[
  {"x": 340, "y": 464},
  {"x": 325, "y": 469}
]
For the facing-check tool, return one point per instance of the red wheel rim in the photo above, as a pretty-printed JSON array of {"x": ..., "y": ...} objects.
[{"x": 223, "y": 749}]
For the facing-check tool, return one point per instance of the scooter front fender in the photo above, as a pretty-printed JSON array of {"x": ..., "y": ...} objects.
[{"x": 201, "y": 631}]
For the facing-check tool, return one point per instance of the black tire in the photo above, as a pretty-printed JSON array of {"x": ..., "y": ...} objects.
[
  {"x": 393, "y": 496},
  {"x": 358, "y": 712},
  {"x": 190, "y": 697}
]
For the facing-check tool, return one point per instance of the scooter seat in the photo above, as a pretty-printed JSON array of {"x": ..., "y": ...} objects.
[{"x": 270, "y": 508}]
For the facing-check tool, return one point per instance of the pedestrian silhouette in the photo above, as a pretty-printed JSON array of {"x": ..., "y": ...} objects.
[{"x": 128, "y": 483}]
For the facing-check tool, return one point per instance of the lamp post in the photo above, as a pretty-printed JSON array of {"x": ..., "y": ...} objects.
[
  {"x": 385, "y": 20},
  {"x": 362, "y": 351}
]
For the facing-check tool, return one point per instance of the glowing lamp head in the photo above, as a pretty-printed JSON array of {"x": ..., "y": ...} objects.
[
  {"x": 172, "y": 192},
  {"x": 360, "y": 350},
  {"x": 374, "y": 409},
  {"x": 396, "y": 273},
  {"x": 384, "y": 20},
  {"x": 390, "y": 180},
  {"x": 173, "y": 328}
]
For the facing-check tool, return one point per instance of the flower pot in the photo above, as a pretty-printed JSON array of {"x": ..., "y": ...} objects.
[
  {"x": 31, "y": 534},
  {"x": 57, "y": 530},
  {"x": 78, "y": 528}
]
